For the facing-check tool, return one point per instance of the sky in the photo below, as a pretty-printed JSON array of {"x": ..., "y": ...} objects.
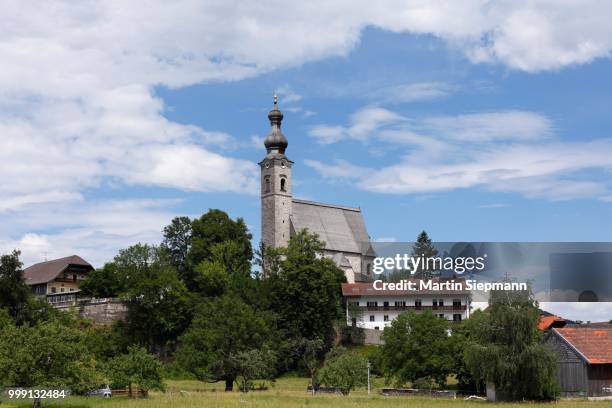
[{"x": 474, "y": 121}]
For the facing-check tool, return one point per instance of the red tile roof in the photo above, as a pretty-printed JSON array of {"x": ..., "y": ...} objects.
[
  {"x": 44, "y": 272},
  {"x": 594, "y": 344},
  {"x": 367, "y": 289},
  {"x": 546, "y": 322}
]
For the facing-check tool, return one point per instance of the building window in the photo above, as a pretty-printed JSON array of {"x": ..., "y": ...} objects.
[
  {"x": 441, "y": 315},
  {"x": 62, "y": 290},
  {"x": 386, "y": 305},
  {"x": 53, "y": 289},
  {"x": 369, "y": 268},
  {"x": 372, "y": 304},
  {"x": 456, "y": 302},
  {"x": 72, "y": 289},
  {"x": 386, "y": 318},
  {"x": 417, "y": 303},
  {"x": 400, "y": 303},
  {"x": 456, "y": 317},
  {"x": 441, "y": 302},
  {"x": 354, "y": 322},
  {"x": 372, "y": 318},
  {"x": 267, "y": 184},
  {"x": 74, "y": 278},
  {"x": 435, "y": 303},
  {"x": 376, "y": 328},
  {"x": 283, "y": 180}
]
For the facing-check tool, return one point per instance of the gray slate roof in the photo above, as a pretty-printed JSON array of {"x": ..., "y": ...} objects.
[{"x": 342, "y": 228}]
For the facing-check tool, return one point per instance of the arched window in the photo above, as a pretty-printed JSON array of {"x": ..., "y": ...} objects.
[
  {"x": 283, "y": 180},
  {"x": 267, "y": 184}
]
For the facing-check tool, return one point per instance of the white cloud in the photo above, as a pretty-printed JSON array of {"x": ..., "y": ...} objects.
[
  {"x": 287, "y": 95},
  {"x": 385, "y": 239},
  {"x": 362, "y": 124},
  {"x": 77, "y": 102},
  {"x": 420, "y": 91},
  {"x": 509, "y": 151},
  {"x": 481, "y": 127},
  {"x": 93, "y": 230},
  {"x": 585, "y": 311}
]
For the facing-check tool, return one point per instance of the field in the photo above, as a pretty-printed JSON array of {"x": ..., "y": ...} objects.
[{"x": 287, "y": 392}]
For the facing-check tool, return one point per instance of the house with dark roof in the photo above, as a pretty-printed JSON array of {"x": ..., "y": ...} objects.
[
  {"x": 584, "y": 353},
  {"x": 342, "y": 228},
  {"x": 58, "y": 280}
]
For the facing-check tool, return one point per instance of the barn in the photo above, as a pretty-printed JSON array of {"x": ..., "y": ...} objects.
[{"x": 585, "y": 359}]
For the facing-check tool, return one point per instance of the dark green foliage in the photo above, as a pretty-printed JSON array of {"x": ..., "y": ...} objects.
[
  {"x": 459, "y": 342},
  {"x": 158, "y": 301},
  {"x": 424, "y": 247},
  {"x": 253, "y": 364},
  {"x": 343, "y": 370},
  {"x": 352, "y": 335},
  {"x": 177, "y": 242},
  {"x": 105, "y": 282},
  {"x": 14, "y": 293},
  {"x": 51, "y": 354},
  {"x": 216, "y": 227},
  {"x": 417, "y": 346},
  {"x": 136, "y": 368},
  {"x": 305, "y": 291},
  {"x": 221, "y": 329},
  {"x": 504, "y": 348}
]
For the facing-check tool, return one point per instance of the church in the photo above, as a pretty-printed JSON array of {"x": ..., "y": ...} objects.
[{"x": 342, "y": 228}]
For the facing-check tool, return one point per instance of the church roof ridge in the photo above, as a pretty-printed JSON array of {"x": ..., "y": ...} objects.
[{"x": 341, "y": 207}]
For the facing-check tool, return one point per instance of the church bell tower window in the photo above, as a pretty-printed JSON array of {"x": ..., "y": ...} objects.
[
  {"x": 267, "y": 184},
  {"x": 282, "y": 184}
]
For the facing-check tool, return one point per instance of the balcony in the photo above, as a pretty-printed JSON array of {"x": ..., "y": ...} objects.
[{"x": 414, "y": 308}]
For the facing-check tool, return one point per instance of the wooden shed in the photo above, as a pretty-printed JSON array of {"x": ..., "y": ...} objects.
[{"x": 585, "y": 359}]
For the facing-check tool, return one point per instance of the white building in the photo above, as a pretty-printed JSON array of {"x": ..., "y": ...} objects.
[{"x": 376, "y": 309}]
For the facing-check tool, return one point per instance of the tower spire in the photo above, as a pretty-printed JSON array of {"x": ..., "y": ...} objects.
[{"x": 275, "y": 142}]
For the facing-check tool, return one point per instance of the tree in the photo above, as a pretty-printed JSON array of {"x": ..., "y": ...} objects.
[
  {"x": 137, "y": 367},
  {"x": 50, "y": 354},
  {"x": 15, "y": 295},
  {"x": 105, "y": 282},
  {"x": 177, "y": 241},
  {"x": 343, "y": 370},
  {"x": 424, "y": 247},
  {"x": 221, "y": 329},
  {"x": 306, "y": 291},
  {"x": 253, "y": 364},
  {"x": 312, "y": 349},
  {"x": 504, "y": 349},
  {"x": 158, "y": 302},
  {"x": 461, "y": 335},
  {"x": 417, "y": 346},
  {"x": 216, "y": 227}
]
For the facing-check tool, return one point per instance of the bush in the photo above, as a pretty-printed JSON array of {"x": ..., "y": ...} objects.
[
  {"x": 343, "y": 370},
  {"x": 350, "y": 335}
]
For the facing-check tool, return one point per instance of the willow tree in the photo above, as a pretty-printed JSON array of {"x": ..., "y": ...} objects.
[{"x": 505, "y": 349}]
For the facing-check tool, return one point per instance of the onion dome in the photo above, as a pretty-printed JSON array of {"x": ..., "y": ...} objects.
[{"x": 275, "y": 141}]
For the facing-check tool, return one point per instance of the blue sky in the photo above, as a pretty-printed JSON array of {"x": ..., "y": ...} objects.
[
  {"x": 473, "y": 120},
  {"x": 435, "y": 82},
  {"x": 479, "y": 121}
]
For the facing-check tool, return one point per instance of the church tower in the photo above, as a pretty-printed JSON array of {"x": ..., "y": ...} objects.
[{"x": 276, "y": 183}]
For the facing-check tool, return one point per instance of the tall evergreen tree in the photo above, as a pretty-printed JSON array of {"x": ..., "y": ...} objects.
[{"x": 424, "y": 248}]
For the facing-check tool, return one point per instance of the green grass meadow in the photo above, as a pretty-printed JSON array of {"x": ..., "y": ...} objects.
[{"x": 285, "y": 392}]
